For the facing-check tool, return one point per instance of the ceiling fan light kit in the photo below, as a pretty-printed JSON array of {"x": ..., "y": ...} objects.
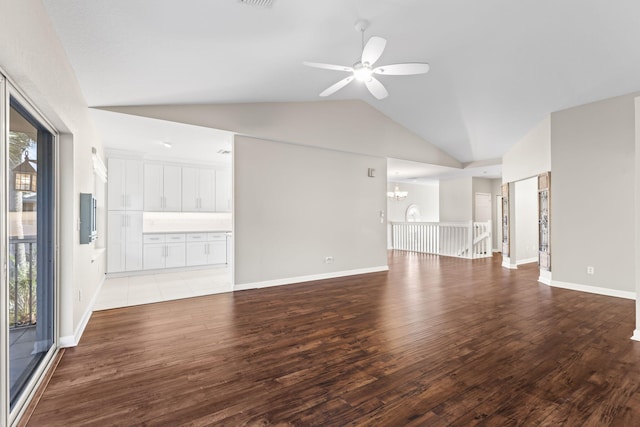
[{"x": 363, "y": 70}]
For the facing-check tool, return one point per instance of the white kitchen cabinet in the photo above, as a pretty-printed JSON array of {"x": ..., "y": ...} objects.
[
  {"x": 206, "y": 249},
  {"x": 217, "y": 252},
  {"x": 223, "y": 190},
  {"x": 124, "y": 189},
  {"x": 162, "y": 188},
  {"x": 196, "y": 253},
  {"x": 154, "y": 256},
  {"x": 164, "y": 251},
  {"x": 124, "y": 241},
  {"x": 198, "y": 189}
]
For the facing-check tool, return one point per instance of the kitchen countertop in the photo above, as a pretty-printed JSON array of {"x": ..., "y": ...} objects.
[{"x": 187, "y": 232}]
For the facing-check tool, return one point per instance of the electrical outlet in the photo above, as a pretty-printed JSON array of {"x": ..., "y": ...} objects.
[
  {"x": 328, "y": 260},
  {"x": 590, "y": 270}
]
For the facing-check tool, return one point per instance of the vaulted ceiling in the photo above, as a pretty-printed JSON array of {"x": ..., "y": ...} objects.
[{"x": 498, "y": 67}]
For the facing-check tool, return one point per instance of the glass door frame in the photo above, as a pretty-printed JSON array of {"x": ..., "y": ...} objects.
[{"x": 8, "y": 416}]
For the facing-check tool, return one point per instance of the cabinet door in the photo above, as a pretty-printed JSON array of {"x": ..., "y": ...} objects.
[
  {"x": 175, "y": 255},
  {"x": 223, "y": 190},
  {"x": 217, "y": 252},
  {"x": 133, "y": 247},
  {"x": 207, "y": 202},
  {"x": 133, "y": 185},
  {"x": 196, "y": 253},
  {"x": 153, "y": 192},
  {"x": 116, "y": 184},
  {"x": 116, "y": 242},
  {"x": 190, "y": 189},
  {"x": 172, "y": 188},
  {"x": 154, "y": 256}
]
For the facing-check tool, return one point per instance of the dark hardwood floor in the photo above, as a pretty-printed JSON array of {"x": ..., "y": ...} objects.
[{"x": 435, "y": 341}]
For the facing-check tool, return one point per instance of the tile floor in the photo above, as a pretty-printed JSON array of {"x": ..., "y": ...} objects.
[{"x": 135, "y": 290}]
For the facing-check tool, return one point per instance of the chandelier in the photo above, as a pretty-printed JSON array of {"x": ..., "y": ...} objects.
[{"x": 396, "y": 194}]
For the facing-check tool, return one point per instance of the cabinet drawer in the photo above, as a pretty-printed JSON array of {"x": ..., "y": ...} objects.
[
  {"x": 216, "y": 236},
  {"x": 175, "y": 238},
  {"x": 197, "y": 237},
  {"x": 154, "y": 238}
]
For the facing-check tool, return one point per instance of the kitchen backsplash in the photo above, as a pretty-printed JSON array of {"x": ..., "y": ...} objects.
[{"x": 169, "y": 222}]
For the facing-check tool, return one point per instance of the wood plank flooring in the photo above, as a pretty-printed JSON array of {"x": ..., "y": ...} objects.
[{"x": 435, "y": 341}]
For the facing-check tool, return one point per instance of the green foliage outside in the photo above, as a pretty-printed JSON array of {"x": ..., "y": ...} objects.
[
  {"x": 22, "y": 256},
  {"x": 22, "y": 293}
]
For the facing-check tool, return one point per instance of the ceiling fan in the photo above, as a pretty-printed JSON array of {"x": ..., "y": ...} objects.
[{"x": 363, "y": 70}]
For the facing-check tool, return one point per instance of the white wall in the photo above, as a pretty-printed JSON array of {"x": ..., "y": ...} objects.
[
  {"x": 636, "y": 334},
  {"x": 592, "y": 194},
  {"x": 344, "y": 125},
  {"x": 530, "y": 156},
  {"x": 296, "y": 205},
  {"x": 425, "y": 196},
  {"x": 456, "y": 200},
  {"x": 32, "y": 57},
  {"x": 526, "y": 220}
]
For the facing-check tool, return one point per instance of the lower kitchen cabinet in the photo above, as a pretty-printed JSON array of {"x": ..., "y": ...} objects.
[
  {"x": 206, "y": 249},
  {"x": 164, "y": 251}
]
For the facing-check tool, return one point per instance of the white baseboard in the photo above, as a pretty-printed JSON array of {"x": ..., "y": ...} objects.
[
  {"x": 545, "y": 277},
  {"x": 299, "y": 279},
  {"x": 526, "y": 261},
  {"x": 73, "y": 340},
  {"x": 594, "y": 290},
  {"x": 506, "y": 263},
  {"x": 636, "y": 335}
]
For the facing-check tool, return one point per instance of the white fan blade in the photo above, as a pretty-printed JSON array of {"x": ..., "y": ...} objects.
[
  {"x": 328, "y": 66},
  {"x": 402, "y": 69},
  {"x": 373, "y": 49},
  {"x": 376, "y": 88},
  {"x": 336, "y": 87}
]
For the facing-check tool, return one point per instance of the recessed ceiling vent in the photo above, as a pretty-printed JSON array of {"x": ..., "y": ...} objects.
[{"x": 260, "y": 3}]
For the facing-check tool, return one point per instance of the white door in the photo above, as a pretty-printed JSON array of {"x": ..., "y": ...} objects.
[
  {"x": 207, "y": 180},
  {"x": 196, "y": 253},
  {"x": 116, "y": 192},
  {"x": 223, "y": 190},
  {"x": 153, "y": 192},
  {"x": 133, "y": 247},
  {"x": 154, "y": 255},
  {"x": 116, "y": 241},
  {"x": 133, "y": 185},
  {"x": 483, "y": 207},
  {"x": 498, "y": 226},
  {"x": 175, "y": 255},
  {"x": 190, "y": 189},
  {"x": 172, "y": 177},
  {"x": 217, "y": 252}
]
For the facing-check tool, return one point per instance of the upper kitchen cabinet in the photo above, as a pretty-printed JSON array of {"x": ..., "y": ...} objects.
[
  {"x": 198, "y": 189},
  {"x": 125, "y": 184},
  {"x": 162, "y": 188},
  {"x": 223, "y": 190}
]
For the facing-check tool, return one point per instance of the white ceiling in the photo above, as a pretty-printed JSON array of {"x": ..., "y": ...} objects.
[
  {"x": 149, "y": 137},
  {"x": 498, "y": 67}
]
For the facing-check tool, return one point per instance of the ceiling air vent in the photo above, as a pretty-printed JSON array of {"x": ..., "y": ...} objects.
[{"x": 261, "y": 3}]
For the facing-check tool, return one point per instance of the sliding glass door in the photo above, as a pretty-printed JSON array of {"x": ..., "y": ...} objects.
[{"x": 28, "y": 255}]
